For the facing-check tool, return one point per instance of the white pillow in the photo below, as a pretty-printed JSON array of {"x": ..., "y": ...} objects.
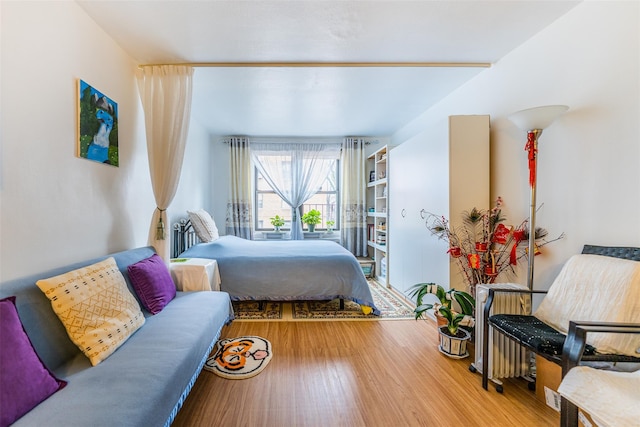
[
  {"x": 204, "y": 225},
  {"x": 596, "y": 288},
  {"x": 95, "y": 306}
]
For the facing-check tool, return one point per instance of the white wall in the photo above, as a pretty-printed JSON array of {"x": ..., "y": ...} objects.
[
  {"x": 589, "y": 159},
  {"x": 56, "y": 208}
]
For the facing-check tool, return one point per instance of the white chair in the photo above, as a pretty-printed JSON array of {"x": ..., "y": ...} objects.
[{"x": 610, "y": 397}]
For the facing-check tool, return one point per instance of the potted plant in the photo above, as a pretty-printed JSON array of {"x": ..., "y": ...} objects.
[
  {"x": 277, "y": 222},
  {"x": 312, "y": 218},
  {"x": 330, "y": 225},
  {"x": 453, "y": 338}
]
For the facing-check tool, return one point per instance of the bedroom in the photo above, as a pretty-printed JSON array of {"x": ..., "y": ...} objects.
[{"x": 57, "y": 209}]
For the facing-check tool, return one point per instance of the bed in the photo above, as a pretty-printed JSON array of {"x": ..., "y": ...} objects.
[{"x": 286, "y": 270}]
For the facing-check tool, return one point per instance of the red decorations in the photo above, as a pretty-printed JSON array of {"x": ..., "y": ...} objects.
[
  {"x": 455, "y": 251},
  {"x": 532, "y": 148},
  {"x": 482, "y": 246},
  {"x": 490, "y": 271},
  {"x": 501, "y": 234},
  {"x": 518, "y": 235},
  {"x": 474, "y": 260}
]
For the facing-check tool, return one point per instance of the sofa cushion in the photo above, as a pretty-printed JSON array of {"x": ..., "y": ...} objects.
[
  {"x": 24, "y": 380},
  {"x": 95, "y": 306},
  {"x": 152, "y": 282},
  {"x": 204, "y": 225},
  {"x": 596, "y": 288}
]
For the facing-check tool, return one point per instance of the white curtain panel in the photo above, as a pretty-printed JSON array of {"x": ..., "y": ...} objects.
[
  {"x": 239, "y": 220},
  {"x": 295, "y": 171},
  {"x": 165, "y": 91},
  {"x": 353, "y": 197}
]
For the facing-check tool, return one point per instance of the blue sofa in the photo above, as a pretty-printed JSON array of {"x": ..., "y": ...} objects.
[{"x": 146, "y": 380}]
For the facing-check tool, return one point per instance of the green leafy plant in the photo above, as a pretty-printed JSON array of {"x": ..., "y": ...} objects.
[
  {"x": 313, "y": 217},
  {"x": 330, "y": 224},
  {"x": 465, "y": 301},
  {"x": 277, "y": 221}
]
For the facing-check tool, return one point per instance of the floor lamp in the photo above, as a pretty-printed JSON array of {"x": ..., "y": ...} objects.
[{"x": 533, "y": 121}]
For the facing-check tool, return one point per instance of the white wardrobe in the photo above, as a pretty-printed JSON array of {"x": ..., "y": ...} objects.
[{"x": 444, "y": 170}]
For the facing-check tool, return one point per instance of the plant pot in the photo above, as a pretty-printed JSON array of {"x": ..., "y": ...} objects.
[
  {"x": 454, "y": 347},
  {"x": 440, "y": 321},
  {"x": 311, "y": 227},
  {"x": 276, "y": 228}
]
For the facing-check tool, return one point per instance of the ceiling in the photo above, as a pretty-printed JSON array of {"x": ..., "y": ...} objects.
[{"x": 319, "y": 100}]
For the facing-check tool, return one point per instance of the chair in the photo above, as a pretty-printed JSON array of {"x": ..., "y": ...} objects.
[
  {"x": 611, "y": 398},
  {"x": 586, "y": 289}
]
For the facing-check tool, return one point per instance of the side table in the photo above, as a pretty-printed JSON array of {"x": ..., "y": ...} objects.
[{"x": 195, "y": 274}]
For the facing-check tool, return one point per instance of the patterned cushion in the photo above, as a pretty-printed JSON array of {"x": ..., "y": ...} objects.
[
  {"x": 152, "y": 282},
  {"x": 24, "y": 380},
  {"x": 532, "y": 332},
  {"x": 204, "y": 225},
  {"x": 95, "y": 306}
]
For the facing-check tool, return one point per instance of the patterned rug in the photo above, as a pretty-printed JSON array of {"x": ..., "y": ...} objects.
[
  {"x": 239, "y": 358},
  {"x": 391, "y": 306}
]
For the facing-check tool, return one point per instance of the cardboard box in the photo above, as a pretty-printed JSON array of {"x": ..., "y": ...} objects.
[{"x": 548, "y": 377}]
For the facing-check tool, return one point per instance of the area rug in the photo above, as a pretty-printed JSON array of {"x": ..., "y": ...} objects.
[
  {"x": 391, "y": 305},
  {"x": 239, "y": 358}
]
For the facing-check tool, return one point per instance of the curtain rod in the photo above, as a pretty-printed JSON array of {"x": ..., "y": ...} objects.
[
  {"x": 328, "y": 64},
  {"x": 290, "y": 139}
]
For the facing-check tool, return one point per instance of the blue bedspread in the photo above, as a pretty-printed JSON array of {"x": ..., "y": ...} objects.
[{"x": 286, "y": 270}]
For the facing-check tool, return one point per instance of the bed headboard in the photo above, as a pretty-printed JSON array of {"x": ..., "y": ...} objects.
[
  {"x": 184, "y": 236},
  {"x": 628, "y": 252}
]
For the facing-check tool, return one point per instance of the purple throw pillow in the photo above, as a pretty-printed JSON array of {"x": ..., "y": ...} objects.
[
  {"x": 24, "y": 380},
  {"x": 152, "y": 282}
]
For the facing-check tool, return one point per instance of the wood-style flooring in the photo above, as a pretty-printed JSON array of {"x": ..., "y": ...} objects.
[{"x": 350, "y": 373}]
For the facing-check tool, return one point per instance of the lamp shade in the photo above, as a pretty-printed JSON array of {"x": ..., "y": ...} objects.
[{"x": 538, "y": 117}]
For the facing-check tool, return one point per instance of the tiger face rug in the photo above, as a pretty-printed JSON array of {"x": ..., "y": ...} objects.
[{"x": 239, "y": 358}]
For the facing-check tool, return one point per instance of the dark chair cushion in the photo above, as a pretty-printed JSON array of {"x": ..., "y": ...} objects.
[{"x": 533, "y": 333}]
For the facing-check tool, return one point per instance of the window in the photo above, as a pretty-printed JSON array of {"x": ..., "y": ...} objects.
[{"x": 269, "y": 204}]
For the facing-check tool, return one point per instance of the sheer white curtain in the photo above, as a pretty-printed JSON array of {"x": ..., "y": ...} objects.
[
  {"x": 295, "y": 171},
  {"x": 165, "y": 91},
  {"x": 353, "y": 197},
  {"x": 239, "y": 209}
]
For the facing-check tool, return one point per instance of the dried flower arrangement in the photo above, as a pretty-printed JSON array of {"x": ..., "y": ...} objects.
[{"x": 483, "y": 246}]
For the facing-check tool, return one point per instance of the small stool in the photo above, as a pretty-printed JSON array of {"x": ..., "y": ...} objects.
[{"x": 195, "y": 274}]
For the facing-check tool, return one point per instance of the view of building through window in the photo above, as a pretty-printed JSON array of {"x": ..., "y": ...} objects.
[{"x": 268, "y": 204}]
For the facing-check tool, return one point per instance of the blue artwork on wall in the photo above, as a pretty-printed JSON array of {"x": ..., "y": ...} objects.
[{"x": 97, "y": 125}]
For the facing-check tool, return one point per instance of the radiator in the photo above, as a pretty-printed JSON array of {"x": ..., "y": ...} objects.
[{"x": 506, "y": 358}]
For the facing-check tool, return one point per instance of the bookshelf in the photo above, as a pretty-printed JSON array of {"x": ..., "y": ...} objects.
[{"x": 377, "y": 208}]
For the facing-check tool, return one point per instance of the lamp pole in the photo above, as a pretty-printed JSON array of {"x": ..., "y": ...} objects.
[
  {"x": 532, "y": 147},
  {"x": 533, "y": 121}
]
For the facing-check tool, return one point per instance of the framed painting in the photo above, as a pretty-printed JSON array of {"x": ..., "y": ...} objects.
[{"x": 97, "y": 125}]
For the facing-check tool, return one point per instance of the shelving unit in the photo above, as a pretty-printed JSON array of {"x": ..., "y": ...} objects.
[{"x": 377, "y": 208}]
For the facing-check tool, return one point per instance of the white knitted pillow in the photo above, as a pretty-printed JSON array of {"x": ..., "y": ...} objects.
[
  {"x": 95, "y": 306},
  {"x": 598, "y": 289},
  {"x": 204, "y": 225}
]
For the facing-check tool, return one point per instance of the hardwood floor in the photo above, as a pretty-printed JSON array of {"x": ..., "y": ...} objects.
[{"x": 366, "y": 373}]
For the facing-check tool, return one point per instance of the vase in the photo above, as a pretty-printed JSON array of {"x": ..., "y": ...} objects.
[
  {"x": 277, "y": 228},
  {"x": 454, "y": 347}
]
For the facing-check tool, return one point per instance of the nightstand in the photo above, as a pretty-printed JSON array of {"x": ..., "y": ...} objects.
[{"x": 195, "y": 274}]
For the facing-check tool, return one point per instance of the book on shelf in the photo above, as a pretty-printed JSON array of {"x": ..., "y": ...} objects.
[{"x": 371, "y": 232}]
